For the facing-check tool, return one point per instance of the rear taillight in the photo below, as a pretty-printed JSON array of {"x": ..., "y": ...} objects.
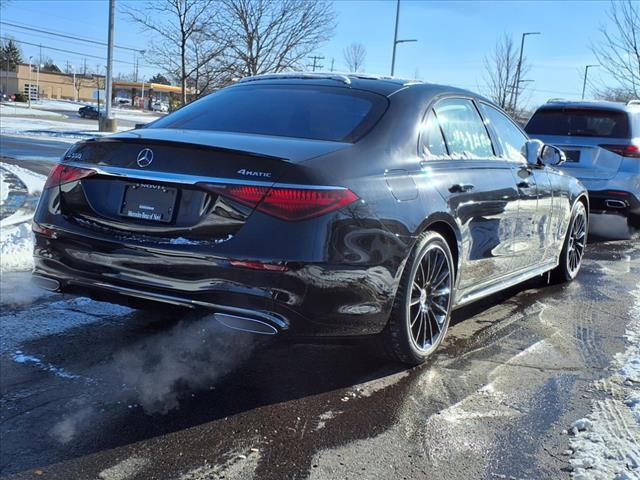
[
  {"x": 631, "y": 150},
  {"x": 62, "y": 174},
  {"x": 287, "y": 203}
]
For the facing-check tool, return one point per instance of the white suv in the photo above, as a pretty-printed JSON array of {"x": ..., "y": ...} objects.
[{"x": 602, "y": 143}]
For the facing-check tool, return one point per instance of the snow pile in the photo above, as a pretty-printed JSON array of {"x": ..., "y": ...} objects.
[
  {"x": 32, "y": 180},
  {"x": 607, "y": 443},
  {"x": 4, "y": 187},
  {"x": 16, "y": 248},
  {"x": 16, "y": 238}
]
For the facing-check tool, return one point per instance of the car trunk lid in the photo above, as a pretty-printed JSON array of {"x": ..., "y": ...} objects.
[{"x": 148, "y": 187}]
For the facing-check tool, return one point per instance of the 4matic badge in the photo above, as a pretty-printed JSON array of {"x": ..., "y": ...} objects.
[{"x": 252, "y": 173}]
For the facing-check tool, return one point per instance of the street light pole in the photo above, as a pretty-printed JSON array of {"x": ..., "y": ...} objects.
[
  {"x": 519, "y": 70},
  {"x": 586, "y": 72},
  {"x": 395, "y": 39}
]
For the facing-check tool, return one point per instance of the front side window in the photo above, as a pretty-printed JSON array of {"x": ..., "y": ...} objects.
[
  {"x": 298, "y": 111},
  {"x": 511, "y": 138},
  {"x": 431, "y": 140},
  {"x": 463, "y": 129}
]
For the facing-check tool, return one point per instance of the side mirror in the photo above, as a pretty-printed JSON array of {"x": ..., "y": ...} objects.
[
  {"x": 532, "y": 150},
  {"x": 553, "y": 156},
  {"x": 537, "y": 154}
]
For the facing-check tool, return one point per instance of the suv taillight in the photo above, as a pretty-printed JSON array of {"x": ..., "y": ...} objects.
[
  {"x": 630, "y": 150},
  {"x": 62, "y": 174},
  {"x": 292, "y": 204}
]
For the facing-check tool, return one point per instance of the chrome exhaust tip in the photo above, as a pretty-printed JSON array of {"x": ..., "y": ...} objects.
[
  {"x": 615, "y": 204},
  {"x": 245, "y": 324},
  {"x": 46, "y": 283}
]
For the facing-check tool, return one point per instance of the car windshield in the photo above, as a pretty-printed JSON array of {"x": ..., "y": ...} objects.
[
  {"x": 579, "y": 122},
  {"x": 300, "y": 111}
]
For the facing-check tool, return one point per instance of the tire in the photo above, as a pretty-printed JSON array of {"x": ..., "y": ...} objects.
[
  {"x": 575, "y": 242},
  {"x": 423, "y": 301},
  {"x": 633, "y": 221}
]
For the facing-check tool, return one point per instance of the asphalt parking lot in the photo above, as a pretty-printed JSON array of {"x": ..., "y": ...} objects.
[{"x": 90, "y": 390}]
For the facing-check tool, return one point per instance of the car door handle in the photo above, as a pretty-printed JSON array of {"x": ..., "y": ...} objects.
[{"x": 461, "y": 187}]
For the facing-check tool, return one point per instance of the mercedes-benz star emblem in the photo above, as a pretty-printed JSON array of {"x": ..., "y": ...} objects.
[{"x": 145, "y": 157}]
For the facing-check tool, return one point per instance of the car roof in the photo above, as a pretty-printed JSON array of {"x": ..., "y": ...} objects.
[
  {"x": 594, "y": 104},
  {"x": 380, "y": 84}
]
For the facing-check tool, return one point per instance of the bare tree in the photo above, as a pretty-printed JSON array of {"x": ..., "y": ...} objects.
[
  {"x": 619, "y": 50},
  {"x": 176, "y": 24},
  {"x": 210, "y": 66},
  {"x": 268, "y": 36},
  {"x": 354, "y": 56},
  {"x": 616, "y": 94},
  {"x": 501, "y": 69}
]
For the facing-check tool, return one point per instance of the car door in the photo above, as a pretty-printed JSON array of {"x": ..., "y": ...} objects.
[
  {"x": 532, "y": 236},
  {"x": 478, "y": 186}
]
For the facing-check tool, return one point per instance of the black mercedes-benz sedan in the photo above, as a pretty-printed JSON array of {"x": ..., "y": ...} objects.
[{"x": 314, "y": 205}]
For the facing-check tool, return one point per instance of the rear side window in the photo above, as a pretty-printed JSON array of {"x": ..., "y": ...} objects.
[
  {"x": 299, "y": 111},
  {"x": 432, "y": 141},
  {"x": 463, "y": 129},
  {"x": 511, "y": 138},
  {"x": 579, "y": 122}
]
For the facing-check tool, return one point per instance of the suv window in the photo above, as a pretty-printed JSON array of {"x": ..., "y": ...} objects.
[
  {"x": 464, "y": 131},
  {"x": 299, "y": 111},
  {"x": 579, "y": 122},
  {"x": 511, "y": 138},
  {"x": 431, "y": 141}
]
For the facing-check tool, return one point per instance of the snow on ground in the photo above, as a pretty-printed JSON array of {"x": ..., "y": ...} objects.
[
  {"x": 16, "y": 248},
  {"x": 23, "y": 110},
  {"x": 64, "y": 131},
  {"x": 41, "y": 319},
  {"x": 44, "y": 108},
  {"x": 33, "y": 181},
  {"x": 606, "y": 444},
  {"x": 16, "y": 238},
  {"x": 4, "y": 187}
]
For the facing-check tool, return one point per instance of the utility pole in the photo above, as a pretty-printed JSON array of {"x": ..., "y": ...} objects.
[
  {"x": 395, "y": 39},
  {"x": 315, "y": 59},
  {"x": 333, "y": 61},
  {"x": 519, "y": 69},
  {"x": 586, "y": 72},
  {"x": 108, "y": 123}
]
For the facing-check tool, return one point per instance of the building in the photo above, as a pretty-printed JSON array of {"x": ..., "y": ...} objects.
[{"x": 83, "y": 88}]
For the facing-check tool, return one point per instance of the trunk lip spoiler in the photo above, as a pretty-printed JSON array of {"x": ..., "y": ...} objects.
[{"x": 188, "y": 179}]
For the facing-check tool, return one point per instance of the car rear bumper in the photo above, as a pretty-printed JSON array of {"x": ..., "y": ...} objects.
[
  {"x": 614, "y": 201},
  {"x": 305, "y": 300}
]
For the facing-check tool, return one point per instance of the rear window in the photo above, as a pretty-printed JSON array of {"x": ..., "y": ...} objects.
[
  {"x": 299, "y": 111},
  {"x": 579, "y": 123}
]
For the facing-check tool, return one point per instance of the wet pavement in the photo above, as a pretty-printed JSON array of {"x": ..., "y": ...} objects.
[{"x": 91, "y": 390}]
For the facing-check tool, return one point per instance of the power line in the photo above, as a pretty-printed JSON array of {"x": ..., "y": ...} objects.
[
  {"x": 71, "y": 51},
  {"x": 71, "y": 37}
]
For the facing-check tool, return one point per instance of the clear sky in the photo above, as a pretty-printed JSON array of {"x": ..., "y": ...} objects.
[{"x": 453, "y": 38}]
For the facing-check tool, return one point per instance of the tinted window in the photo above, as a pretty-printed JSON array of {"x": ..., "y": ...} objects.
[
  {"x": 511, "y": 138},
  {"x": 301, "y": 111},
  {"x": 579, "y": 122},
  {"x": 464, "y": 132},
  {"x": 432, "y": 141}
]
